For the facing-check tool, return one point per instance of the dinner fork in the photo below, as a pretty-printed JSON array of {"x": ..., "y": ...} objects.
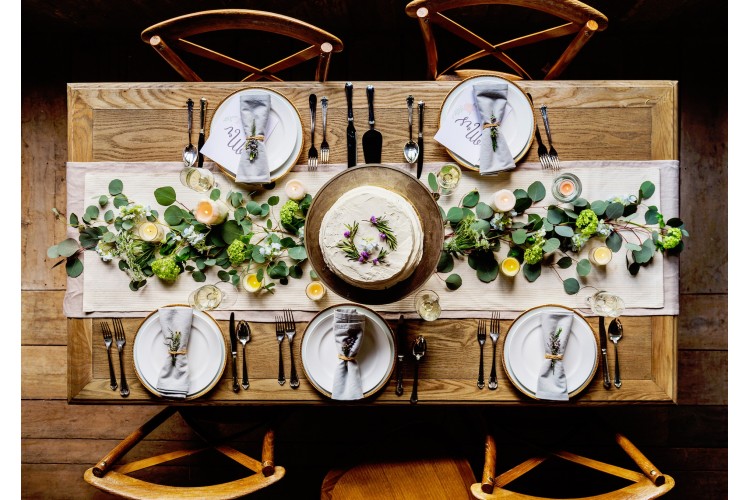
[
  {"x": 280, "y": 339},
  {"x": 541, "y": 151},
  {"x": 312, "y": 154},
  {"x": 324, "y": 151},
  {"x": 291, "y": 328},
  {"x": 107, "y": 334},
  {"x": 494, "y": 335},
  {"x": 481, "y": 338},
  {"x": 120, "y": 342},
  {"x": 554, "y": 160},
  {"x": 243, "y": 335}
]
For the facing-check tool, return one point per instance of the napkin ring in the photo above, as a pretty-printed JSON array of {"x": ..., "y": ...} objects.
[
  {"x": 553, "y": 356},
  {"x": 181, "y": 351},
  {"x": 251, "y": 145},
  {"x": 346, "y": 358},
  {"x": 493, "y": 130}
]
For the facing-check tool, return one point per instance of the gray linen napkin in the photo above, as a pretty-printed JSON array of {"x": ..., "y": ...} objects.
[
  {"x": 490, "y": 101},
  {"x": 348, "y": 329},
  {"x": 254, "y": 111},
  {"x": 552, "y": 383},
  {"x": 173, "y": 377}
]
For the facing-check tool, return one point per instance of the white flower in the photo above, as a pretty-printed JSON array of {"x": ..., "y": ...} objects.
[
  {"x": 603, "y": 228},
  {"x": 107, "y": 251},
  {"x": 276, "y": 246},
  {"x": 262, "y": 249},
  {"x": 577, "y": 242}
]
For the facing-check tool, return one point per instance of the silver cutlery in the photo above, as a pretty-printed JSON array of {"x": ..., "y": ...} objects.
[
  {"x": 243, "y": 335},
  {"x": 481, "y": 338},
  {"x": 401, "y": 338},
  {"x": 411, "y": 150},
  {"x": 554, "y": 160},
  {"x": 419, "y": 350},
  {"x": 190, "y": 154},
  {"x": 615, "y": 334},
  {"x": 603, "y": 347},
  {"x": 280, "y": 338},
  {"x": 233, "y": 344},
  {"x": 494, "y": 335},
  {"x": 312, "y": 153},
  {"x": 324, "y": 150},
  {"x": 541, "y": 151},
  {"x": 107, "y": 334},
  {"x": 291, "y": 329},
  {"x": 120, "y": 342}
]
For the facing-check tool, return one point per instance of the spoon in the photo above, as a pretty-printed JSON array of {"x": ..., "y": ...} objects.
[
  {"x": 191, "y": 152},
  {"x": 419, "y": 350},
  {"x": 411, "y": 150},
  {"x": 243, "y": 335},
  {"x": 615, "y": 334}
]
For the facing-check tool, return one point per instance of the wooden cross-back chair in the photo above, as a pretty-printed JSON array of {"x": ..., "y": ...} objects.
[
  {"x": 645, "y": 483},
  {"x": 580, "y": 20},
  {"x": 167, "y": 37},
  {"x": 115, "y": 479}
]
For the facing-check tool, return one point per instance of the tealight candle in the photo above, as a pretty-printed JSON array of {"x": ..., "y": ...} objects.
[
  {"x": 295, "y": 190},
  {"x": 504, "y": 200},
  {"x": 600, "y": 255},
  {"x": 510, "y": 266},
  {"x": 149, "y": 231},
  {"x": 211, "y": 212},
  {"x": 315, "y": 290},
  {"x": 250, "y": 282},
  {"x": 566, "y": 188}
]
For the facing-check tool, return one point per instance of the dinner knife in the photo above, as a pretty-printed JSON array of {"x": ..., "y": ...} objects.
[
  {"x": 372, "y": 139},
  {"x": 202, "y": 135},
  {"x": 351, "y": 134},
  {"x": 233, "y": 341},
  {"x": 603, "y": 345},
  {"x": 401, "y": 338},
  {"x": 420, "y": 139}
]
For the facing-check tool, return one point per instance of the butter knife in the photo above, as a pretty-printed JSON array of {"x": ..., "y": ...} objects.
[
  {"x": 202, "y": 134},
  {"x": 603, "y": 344},
  {"x": 401, "y": 338},
  {"x": 233, "y": 341},
  {"x": 351, "y": 134},
  {"x": 420, "y": 139}
]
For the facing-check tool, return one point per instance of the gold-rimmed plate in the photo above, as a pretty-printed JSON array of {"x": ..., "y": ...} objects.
[
  {"x": 206, "y": 352},
  {"x": 398, "y": 182},
  {"x": 459, "y": 111},
  {"x": 283, "y": 143},
  {"x": 523, "y": 351}
]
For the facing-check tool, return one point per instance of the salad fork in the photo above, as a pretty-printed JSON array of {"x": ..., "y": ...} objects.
[
  {"x": 541, "y": 151},
  {"x": 107, "y": 334},
  {"x": 494, "y": 335},
  {"x": 324, "y": 151},
  {"x": 291, "y": 328},
  {"x": 481, "y": 338},
  {"x": 312, "y": 153},
  {"x": 120, "y": 342},
  {"x": 554, "y": 160},
  {"x": 280, "y": 338}
]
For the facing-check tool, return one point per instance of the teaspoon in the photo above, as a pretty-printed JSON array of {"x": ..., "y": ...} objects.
[
  {"x": 419, "y": 350},
  {"x": 615, "y": 334},
  {"x": 190, "y": 155},
  {"x": 411, "y": 150}
]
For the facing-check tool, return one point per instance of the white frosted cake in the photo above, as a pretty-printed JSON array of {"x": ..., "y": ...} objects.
[{"x": 371, "y": 238}]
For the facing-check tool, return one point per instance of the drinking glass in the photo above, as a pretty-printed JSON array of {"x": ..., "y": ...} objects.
[
  {"x": 197, "y": 179},
  {"x": 210, "y": 297},
  {"x": 447, "y": 178},
  {"x": 604, "y": 303},
  {"x": 427, "y": 304}
]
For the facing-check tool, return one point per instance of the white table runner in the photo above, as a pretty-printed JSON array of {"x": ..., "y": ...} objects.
[{"x": 102, "y": 289}]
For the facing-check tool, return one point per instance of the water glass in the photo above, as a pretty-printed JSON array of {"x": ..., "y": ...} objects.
[
  {"x": 427, "y": 304},
  {"x": 447, "y": 178},
  {"x": 607, "y": 304},
  {"x": 197, "y": 179},
  {"x": 210, "y": 297}
]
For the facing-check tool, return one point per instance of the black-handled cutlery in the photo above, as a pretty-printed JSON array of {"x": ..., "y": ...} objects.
[
  {"x": 202, "y": 133},
  {"x": 615, "y": 334},
  {"x": 351, "y": 133},
  {"x": 603, "y": 347},
  {"x": 243, "y": 335},
  {"x": 372, "y": 140},
  {"x": 419, "y": 350},
  {"x": 233, "y": 342},
  {"x": 401, "y": 339}
]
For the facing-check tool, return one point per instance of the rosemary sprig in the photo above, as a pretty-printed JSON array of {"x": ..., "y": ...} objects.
[
  {"x": 554, "y": 344},
  {"x": 493, "y": 132},
  {"x": 381, "y": 224},
  {"x": 173, "y": 341},
  {"x": 347, "y": 244},
  {"x": 252, "y": 144}
]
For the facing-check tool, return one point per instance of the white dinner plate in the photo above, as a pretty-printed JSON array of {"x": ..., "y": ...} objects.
[
  {"x": 523, "y": 351},
  {"x": 283, "y": 145},
  {"x": 517, "y": 125},
  {"x": 376, "y": 356},
  {"x": 206, "y": 352}
]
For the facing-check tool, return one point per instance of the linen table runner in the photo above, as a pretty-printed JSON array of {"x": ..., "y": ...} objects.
[{"x": 102, "y": 289}]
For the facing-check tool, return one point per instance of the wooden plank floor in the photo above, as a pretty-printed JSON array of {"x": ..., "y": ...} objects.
[{"x": 688, "y": 441}]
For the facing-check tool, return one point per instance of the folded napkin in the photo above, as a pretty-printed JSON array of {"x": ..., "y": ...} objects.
[
  {"x": 348, "y": 329},
  {"x": 555, "y": 332},
  {"x": 176, "y": 323},
  {"x": 253, "y": 166},
  {"x": 494, "y": 155}
]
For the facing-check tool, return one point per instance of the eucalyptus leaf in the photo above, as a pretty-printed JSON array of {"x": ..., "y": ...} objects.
[
  {"x": 223, "y": 275},
  {"x": 240, "y": 213},
  {"x": 109, "y": 216},
  {"x": 298, "y": 253},
  {"x": 646, "y": 253},
  {"x": 632, "y": 246},
  {"x": 442, "y": 213},
  {"x": 471, "y": 199},
  {"x": 295, "y": 271},
  {"x": 264, "y": 209},
  {"x": 484, "y": 211},
  {"x": 455, "y": 215},
  {"x": 67, "y": 247},
  {"x": 675, "y": 222},
  {"x": 74, "y": 267},
  {"x": 445, "y": 264},
  {"x": 120, "y": 200},
  {"x": 614, "y": 210},
  {"x": 73, "y": 220},
  {"x": 280, "y": 270},
  {"x": 571, "y": 286},
  {"x": 551, "y": 245},
  {"x": 173, "y": 216},
  {"x": 647, "y": 190},
  {"x": 127, "y": 225},
  {"x": 536, "y": 191},
  {"x": 583, "y": 268},
  {"x": 580, "y": 203},
  {"x": 571, "y": 214},
  {"x": 165, "y": 196},
  {"x": 532, "y": 271},
  {"x": 432, "y": 181},
  {"x": 52, "y": 252},
  {"x": 614, "y": 241},
  {"x": 92, "y": 212},
  {"x": 103, "y": 200},
  {"x": 634, "y": 268},
  {"x": 269, "y": 224},
  {"x": 565, "y": 262},
  {"x": 257, "y": 256},
  {"x": 652, "y": 215},
  {"x": 487, "y": 267},
  {"x": 235, "y": 199},
  {"x": 555, "y": 215},
  {"x": 599, "y": 207},
  {"x": 230, "y": 231},
  {"x": 519, "y": 236},
  {"x": 199, "y": 276},
  {"x": 522, "y": 204},
  {"x": 547, "y": 225},
  {"x": 453, "y": 282},
  {"x": 481, "y": 226},
  {"x": 520, "y": 193},
  {"x": 115, "y": 187},
  {"x": 287, "y": 242},
  {"x": 273, "y": 201},
  {"x": 215, "y": 194},
  {"x": 313, "y": 275},
  {"x": 564, "y": 231},
  {"x": 630, "y": 209}
]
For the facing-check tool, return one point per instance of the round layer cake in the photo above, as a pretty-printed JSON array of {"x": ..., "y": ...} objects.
[{"x": 371, "y": 238}]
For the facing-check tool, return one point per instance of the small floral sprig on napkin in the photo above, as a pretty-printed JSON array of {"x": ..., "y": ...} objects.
[
  {"x": 173, "y": 342},
  {"x": 554, "y": 345}
]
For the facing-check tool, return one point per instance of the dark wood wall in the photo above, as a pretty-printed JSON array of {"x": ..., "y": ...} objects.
[{"x": 85, "y": 41}]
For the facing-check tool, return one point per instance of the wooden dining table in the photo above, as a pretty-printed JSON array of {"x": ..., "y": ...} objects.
[{"x": 594, "y": 120}]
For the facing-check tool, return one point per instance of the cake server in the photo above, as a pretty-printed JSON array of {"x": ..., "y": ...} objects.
[
  {"x": 372, "y": 140},
  {"x": 351, "y": 133}
]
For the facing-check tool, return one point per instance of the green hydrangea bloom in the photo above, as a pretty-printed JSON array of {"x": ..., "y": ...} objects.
[
  {"x": 289, "y": 212},
  {"x": 587, "y": 222},
  {"x": 672, "y": 238},
  {"x": 533, "y": 255},
  {"x": 165, "y": 268},
  {"x": 236, "y": 252}
]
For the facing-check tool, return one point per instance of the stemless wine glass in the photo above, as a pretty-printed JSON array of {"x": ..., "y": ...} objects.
[
  {"x": 607, "y": 304},
  {"x": 447, "y": 178},
  {"x": 210, "y": 297},
  {"x": 197, "y": 179},
  {"x": 427, "y": 304}
]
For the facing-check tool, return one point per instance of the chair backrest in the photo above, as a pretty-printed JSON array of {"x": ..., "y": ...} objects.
[
  {"x": 580, "y": 20},
  {"x": 116, "y": 479},
  {"x": 170, "y": 36}
]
